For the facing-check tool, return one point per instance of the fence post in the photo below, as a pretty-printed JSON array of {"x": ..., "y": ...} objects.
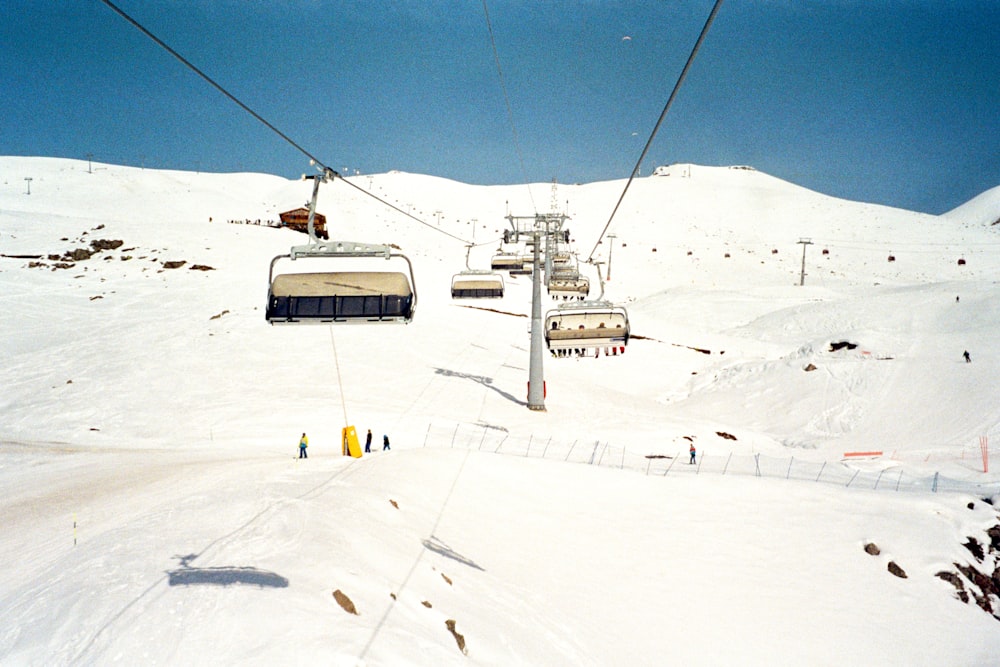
[
  {"x": 622, "y": 467},
  {"x": 482, "y": 440},
  {"x": 821, "y": 469},
  {"x": 603, "y": 451},
  {"x": 546, "y": 448},
  {"x": 426, "y": 435},
  {"x": 701, "y": 459},
  {"x": 878, "y": 478},
  {"x": 570, "y": 452},
  {"x": 726, "y": 467},
  {"x": 503, "y": 440},
  {"x": 453, "y": 435},
  {"x": 789, "y": 473},
  {"x": 528, "y": 450},
  {"x": 934, "y": 487},
  {"x": 899, "y": 479},
  {"x": 852, "y": 478},
  {"x": 594, "y": 453},
  {"x": 756, "y": 458},
  {"x": 672, "y": 462},
  {"x": 649, "y": 462}
]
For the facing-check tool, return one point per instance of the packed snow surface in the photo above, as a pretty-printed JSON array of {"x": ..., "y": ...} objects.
[{"x": 154, "y": 511}]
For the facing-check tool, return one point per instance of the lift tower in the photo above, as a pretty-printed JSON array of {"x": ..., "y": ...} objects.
[
  {"x": 536, "y": 228},
  {"x": 536, "y": 372}
]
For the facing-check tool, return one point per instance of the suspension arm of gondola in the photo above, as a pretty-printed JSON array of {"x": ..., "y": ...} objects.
[{"x": 317, "y": 179}]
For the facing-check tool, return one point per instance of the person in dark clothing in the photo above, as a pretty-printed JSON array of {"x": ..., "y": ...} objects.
[
  {"x": 385, "y": 442},
  {"x": 368, "y": 442},
  {"x": 968, "y": 357}
]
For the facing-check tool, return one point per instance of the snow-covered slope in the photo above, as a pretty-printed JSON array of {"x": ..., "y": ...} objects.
[
  {"x": 156, "y": 406},
  {"x": 981, "y": 210},
  {"x": 707, "y": 258}
]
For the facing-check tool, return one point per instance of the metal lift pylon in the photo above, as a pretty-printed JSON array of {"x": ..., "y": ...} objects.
[{"x": 536, "y": 372}]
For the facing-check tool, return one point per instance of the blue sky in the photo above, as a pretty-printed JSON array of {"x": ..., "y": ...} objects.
[{"x": 889, "y": 101}]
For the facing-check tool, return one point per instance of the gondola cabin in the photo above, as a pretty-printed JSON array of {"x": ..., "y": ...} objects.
[
  {"x": 477, "y": 285},
  {"x": 585, "y": 327}
]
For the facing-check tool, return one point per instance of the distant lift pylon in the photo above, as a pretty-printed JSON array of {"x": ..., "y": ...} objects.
[{"x": 339, "y": 297}]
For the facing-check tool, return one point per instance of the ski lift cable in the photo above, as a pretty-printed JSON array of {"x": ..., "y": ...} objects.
[
  {"x": 498, "y": 239},
  {"x": 510, "y": 111},
  {"x": 326, "y": 171},
  {"x": 879, "y": 245},
  {"x": 399, "y": 210},
  {"x": 212, "y": 82},
  {"x": 659, "y": 122},
  {"x": 340, "y": 381}
]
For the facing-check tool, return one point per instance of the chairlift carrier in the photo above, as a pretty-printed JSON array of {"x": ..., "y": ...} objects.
[
  {"x": 506, "y": 261},
  {"x": 565, "y": 280},
  {"x": 568, "y": 286},
  {"x": 526, "y": 268},
  {"x": 339, "y": 297},
  {"x": 586, "y": 325},
  {"x": 473, "y": 284},
  {"x": 477, "y": 285}
]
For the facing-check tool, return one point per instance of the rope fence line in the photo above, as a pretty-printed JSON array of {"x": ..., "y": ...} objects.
[{"x": 603, "y": 454}]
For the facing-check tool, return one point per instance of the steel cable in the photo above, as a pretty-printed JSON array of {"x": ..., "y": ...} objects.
[
  {"x": 659, "y": 122},
  {"x": 327, "y": 171}
]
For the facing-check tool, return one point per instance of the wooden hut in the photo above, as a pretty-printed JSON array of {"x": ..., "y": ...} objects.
[{"x": 298, "y": 219}]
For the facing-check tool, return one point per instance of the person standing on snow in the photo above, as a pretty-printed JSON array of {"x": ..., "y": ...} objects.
[
  {"x": 385, "y": 442},
  {"x": 303, "y": 443},
  {"x": 692, "y": 451},
  {"x": 368, "y": 442},
  {"x": 968, "y": 357}
]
